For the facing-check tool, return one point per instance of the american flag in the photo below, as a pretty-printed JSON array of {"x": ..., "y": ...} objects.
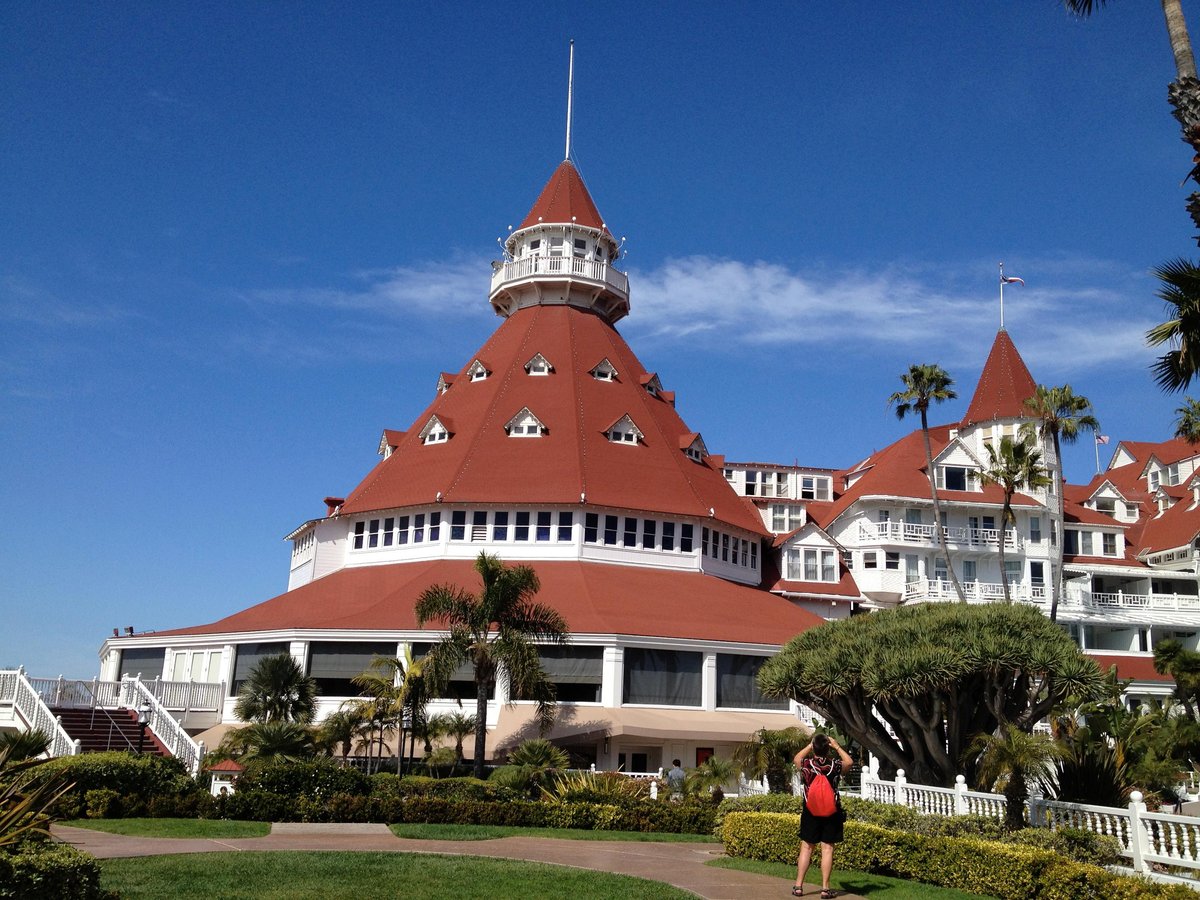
[
  {"x": 1012, "y": 279},
  {"x": 1102, "y": 439}
]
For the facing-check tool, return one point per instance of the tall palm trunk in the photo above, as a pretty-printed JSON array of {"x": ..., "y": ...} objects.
[
  {"x": 485, "y": 684},
  {"x": 1060, "y": 519},
  {"x": 1004, "y": 517},
  {"x": 937, "y": 509},
  {"x": 1181, "y": 45}
]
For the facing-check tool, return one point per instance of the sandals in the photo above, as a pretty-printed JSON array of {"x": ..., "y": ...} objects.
[
  {"x": 797, "y": 890},
  {"x": 828, "y": 894}
]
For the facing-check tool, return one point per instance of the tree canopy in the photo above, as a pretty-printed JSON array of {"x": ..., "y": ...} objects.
[
  {"x": 936, "y": 675},
  {"x": 277, "y": 690}
]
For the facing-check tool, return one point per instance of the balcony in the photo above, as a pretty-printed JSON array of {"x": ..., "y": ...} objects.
[
  {"x": 925, "y": 535},
  {"x": 975, "y": 591},
  {"x": 570, "y": 268},
  {"x": 1123, "y": 601}
]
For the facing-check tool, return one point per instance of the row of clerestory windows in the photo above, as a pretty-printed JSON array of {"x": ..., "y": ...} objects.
[
  {"x": 395, "y": 531},
  {"x": 729, "y": 548},
  {"x": 632, "y": 531}
]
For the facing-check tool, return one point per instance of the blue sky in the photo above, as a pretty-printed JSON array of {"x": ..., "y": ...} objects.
[{"x": 239, "y": 240}]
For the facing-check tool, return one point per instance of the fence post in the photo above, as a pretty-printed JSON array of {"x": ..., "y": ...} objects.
[
  {"x": 58, "y": 692},
  {"x": 864, "y": 783},
  {"x": 654, "y": 790},
  {"x": 960, "y": 795},
  {"x": 76, "y": 747},
  {"x": 1139, "y": 843},
  {"x": 901, "y": 793},
  {"x": 592, "y": 768}
]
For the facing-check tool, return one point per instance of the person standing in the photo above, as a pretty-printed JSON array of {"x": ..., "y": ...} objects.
[
  {"x": 823, "y": 756},
  {"x": 676, "y": 778}
]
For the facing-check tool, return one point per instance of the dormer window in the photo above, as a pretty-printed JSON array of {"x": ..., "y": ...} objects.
[
  {"x": 693, "y": 446},
  {"x": 436, "y": 431},
  {"x": 651, "y": 383},
  {"x": 477, "y": 371},
  {"x": 624, "y": 432},
  {"x": 539, "y": 365},
  {"x": 580, "y": 248},
  {"x": 444, "y": 382},
  {"x": 957, "y": 478},
  {"x": 525, "y": 424},
  {"x": 1154, "y": 480},
  {"x": 604, "y": 371}
]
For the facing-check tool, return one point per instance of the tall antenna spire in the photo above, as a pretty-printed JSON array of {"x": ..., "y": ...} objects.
[{"x": 570, "y": 96}]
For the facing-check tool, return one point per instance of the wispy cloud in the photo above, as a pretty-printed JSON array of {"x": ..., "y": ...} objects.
[
  {"x": 1077, "y": 315},
  {"x": 24, "y": 302}
]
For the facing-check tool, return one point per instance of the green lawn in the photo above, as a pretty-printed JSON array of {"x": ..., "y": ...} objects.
[
  {"x": 176, "y": 828},
  {"x": 287, "y": 875},
  {"x": 877, "y": 887},
  {"x": 490, "y": 832}
]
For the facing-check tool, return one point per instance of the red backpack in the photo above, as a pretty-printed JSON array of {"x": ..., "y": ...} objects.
[{"x": 820, "y": 798}]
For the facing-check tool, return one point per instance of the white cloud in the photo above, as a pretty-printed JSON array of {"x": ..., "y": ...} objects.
[{"x": 944, "y": 313}]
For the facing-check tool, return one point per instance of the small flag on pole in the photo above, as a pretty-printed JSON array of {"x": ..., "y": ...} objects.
[
  {"x": 1012, "y": 279},
  {"x": 1102, "y": 439}
]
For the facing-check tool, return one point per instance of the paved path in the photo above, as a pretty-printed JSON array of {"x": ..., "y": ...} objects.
[{"x": 681, "y": 865}]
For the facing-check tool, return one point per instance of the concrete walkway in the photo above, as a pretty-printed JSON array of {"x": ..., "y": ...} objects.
[{"x": 681, "y": 865}]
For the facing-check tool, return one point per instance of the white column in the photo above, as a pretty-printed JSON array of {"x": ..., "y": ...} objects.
[
  {"x": 708, "y": 681},
  {"x": 613, "y": 673},
  {"x": 299, "y": 652}
]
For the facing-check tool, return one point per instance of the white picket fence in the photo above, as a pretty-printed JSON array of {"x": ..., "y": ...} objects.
[{"x": 1146, "y": 838}]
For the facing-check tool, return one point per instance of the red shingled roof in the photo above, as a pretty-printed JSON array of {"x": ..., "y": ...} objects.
[
  {"x": 594, "y": 598},
  {"x": 1139, "y": 668},
  {"x": 563, "y": 199},
  {"x": 481, "y": 463},
  {"x": 1004, "y": 385}
]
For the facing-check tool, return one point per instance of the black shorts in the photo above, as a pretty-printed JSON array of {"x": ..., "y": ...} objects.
[{"x": 821, "y": 829}]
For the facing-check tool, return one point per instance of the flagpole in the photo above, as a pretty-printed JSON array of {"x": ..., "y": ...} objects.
[
  {"x": 1096, "y": 442},
  {"x": 1001, "y": 296}
]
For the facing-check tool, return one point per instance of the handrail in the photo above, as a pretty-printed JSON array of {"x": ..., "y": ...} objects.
[
  {"x": 166, "y": 728},
  {"x": 592, "y": 270},
  {"x": 17, "y": 689}
]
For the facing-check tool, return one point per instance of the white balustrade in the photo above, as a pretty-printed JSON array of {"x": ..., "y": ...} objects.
[{"x": 565, "y": 266}]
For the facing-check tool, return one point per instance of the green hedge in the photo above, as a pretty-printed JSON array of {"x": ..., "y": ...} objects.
[
  {"x": 266, "y": 806},
  {"x": 37, "y": 870},
  {"x": 136, "y": 779},
  {"x": 1004, "y": 870},
  {"x": 306, "y": 778}
]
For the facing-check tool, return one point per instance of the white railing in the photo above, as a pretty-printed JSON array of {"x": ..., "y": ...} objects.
[
  {"x": 912, "y": 533},
  {"x": 974, "y": 591},
  {"x": 135, "y": 695},
  {"x": 1122, "y": 600},
  {"x": 1144, "y": 838},
  {"x": 31, "y": 709},
  {"x": 569, "y": 266}
]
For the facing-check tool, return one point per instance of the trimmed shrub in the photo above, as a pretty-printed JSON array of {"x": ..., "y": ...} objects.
[
  {"x": 136, "y": 779},
  {"x": 1004, "y": 870},
  {"x": 314, "y": 778},
  {"x": 49, "y": 870},
  {"x": 103, "y": 804}
]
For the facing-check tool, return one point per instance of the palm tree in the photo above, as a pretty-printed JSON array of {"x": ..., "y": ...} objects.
[
  {"x": 338, "y": 731},
  {"x": 457, "y": 725},
  {"x": 271, "y": 740},
  {"x": 925, "y": 384},
  {"x": 1015, "y": 757},
  {"x": 1187, "y": 426},
  {"x": 496, "y": 627},
  {"x": 24, "y": 744},
  {"x": 770, "y": 752},
  {"x": 1016, "y": 466},
  {"x": 1061, "y": 415},
  {"x": 393, "y": 695},
  {"x": 712, "y": 775},
  {"x": 277, "y": 690},
  {"x": 1180, "y": 290}
]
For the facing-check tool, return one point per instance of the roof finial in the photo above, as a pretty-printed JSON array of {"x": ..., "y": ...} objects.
[{"x": 570, "y": 95}]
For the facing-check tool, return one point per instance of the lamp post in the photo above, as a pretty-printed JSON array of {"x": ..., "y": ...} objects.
[{"x": 142, "y": 721}]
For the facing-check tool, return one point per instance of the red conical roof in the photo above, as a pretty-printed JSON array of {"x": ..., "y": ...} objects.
[
  {"x": 1004, "y": 385},
  {"x": 481, "y": 463},
  {"x": 565, "y": 198}
]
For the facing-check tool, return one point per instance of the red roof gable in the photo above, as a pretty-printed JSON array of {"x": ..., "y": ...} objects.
[
  {"x": 564, "y": 199},
  {"x": 1139, "y": 668},
  {"x": 1004, "y": 385},
  {"x": 481, "y": 463},
  {"x": 594, "y": 598}
]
